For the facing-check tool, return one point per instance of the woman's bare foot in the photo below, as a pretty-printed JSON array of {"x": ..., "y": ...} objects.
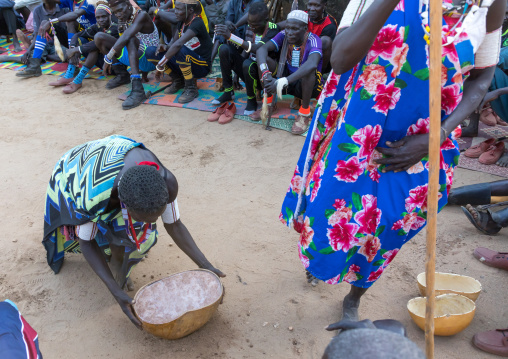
[
  {"x": 129, "y": 284},
  {"x": 481, "y": 220},
  {"x": 311, "y": 279},
  {"x": 17, "y": 46}
]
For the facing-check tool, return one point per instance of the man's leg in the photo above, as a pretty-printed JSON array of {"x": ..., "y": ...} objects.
[
  {"x": 304, "y": 88},
  {"x": 271, "y": 105},
  {"x": 192, "y": 67},
  {"x": 10, "y": 20},
  {"x": 104, "y": 43},
  {"x": 91, "y": 59},
  {"x": 351, "y": 303},
  {"x": 71, "y": 68},
  {"x": 137, "y": 95},
  {"x": 250, "y": 73},
  {"x": 230, "y": 60}
]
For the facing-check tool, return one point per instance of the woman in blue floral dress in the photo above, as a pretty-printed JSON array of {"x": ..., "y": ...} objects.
[{"x": 359, "y": 190}]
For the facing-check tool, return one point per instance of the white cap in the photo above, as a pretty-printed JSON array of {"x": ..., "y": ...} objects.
[{"x": 299, "y": 15}]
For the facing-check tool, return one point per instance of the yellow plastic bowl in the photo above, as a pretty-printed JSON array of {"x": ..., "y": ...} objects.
[
  {"x": 452, "y": 313},
  {"x": 176, "y": 306},
  {"x": 452, "y": 283}
]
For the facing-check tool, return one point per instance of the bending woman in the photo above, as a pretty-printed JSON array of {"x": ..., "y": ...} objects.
[
  {"x": 103, "y": 200},
  {"x": 359, "y": 189}
]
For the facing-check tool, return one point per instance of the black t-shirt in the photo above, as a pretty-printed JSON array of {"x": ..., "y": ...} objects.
[
  {"x": 269, "y": 34},
  {"x": 201, "y": 44}
]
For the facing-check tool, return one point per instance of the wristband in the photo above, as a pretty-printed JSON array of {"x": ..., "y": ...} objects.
[
  {"x": 107, "y": 60},
  {"x": 236, "y": 40},
  {"x": 250, "y": 46},
  {"x": 111, "y": 54},
  {"x": 161, "y": 65},
  {"x": 53, "y": 21},
  {"x": 155, "y": 12},
  {"x": 265, "y": 73},
  {"x": 263, "y": 67},
  {"x": 79, "y": 48}
]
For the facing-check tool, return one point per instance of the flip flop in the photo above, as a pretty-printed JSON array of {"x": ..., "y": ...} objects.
[{"x": 484, "y": 221}]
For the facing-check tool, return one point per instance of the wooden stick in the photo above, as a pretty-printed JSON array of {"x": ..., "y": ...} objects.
[{"x": 436, "y": 18}]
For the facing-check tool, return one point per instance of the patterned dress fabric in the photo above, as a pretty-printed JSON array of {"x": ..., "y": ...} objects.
[
  {"x": 79, "y": 191},
  {"x": 352, "y": 218}
]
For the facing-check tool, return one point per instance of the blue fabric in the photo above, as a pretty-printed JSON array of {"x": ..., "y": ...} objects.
[
  {"x": 352, "y": 218},
  {"x": 40, "y": 44},
  {"x": 500, "y": 80},
  {"x": 79, "y": 79},
  {"x": 70, "y": 71},
  {"x": 85, "y": 20},
  {"x": 69, "y": 38},
  {"x": 147, "y": 58}
]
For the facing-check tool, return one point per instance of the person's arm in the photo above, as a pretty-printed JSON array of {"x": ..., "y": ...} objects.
[
  {"x": 306, "y": 68},
  {"x": 230, "y": 17},
  {"x": 69, "y": 17},
  {"x": 183, "y": 239},
  {"x": 95, "y": 259},
  {"x": 493, "y": 95},
  {"x": 130, "y": 32},
  {"x": 166, "y": 16},
  {"x": 242, "y": 21},
  {"x": 352, "y": 44},
  {"x": 178, "y": 43},
  {"x": 262, "y": 52}
]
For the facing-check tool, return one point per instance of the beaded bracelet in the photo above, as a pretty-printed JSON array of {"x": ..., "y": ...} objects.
[
  {"x": 236, "y": 40},
  {"x": 108, "y": 60}
]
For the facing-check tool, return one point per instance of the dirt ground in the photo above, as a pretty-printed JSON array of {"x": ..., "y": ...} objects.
[{"x": 232, "y": 181}]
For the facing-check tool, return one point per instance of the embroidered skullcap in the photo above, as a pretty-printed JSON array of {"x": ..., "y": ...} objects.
[{"x": 299, "y": 15}]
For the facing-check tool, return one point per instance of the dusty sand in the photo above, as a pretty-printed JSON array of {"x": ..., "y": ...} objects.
[{"x": 232, "y": 181}]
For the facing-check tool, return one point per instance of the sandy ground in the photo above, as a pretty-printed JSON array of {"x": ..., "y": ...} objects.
[{"x": 232, "y": 181}]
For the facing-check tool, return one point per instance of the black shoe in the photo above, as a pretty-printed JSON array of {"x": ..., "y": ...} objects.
[
  {"x": 32, "y": 70},
  {"x": 122, "y": 77},
  {"x": 225, "y": 97},
  {"x": 190, "y": 92},
  {"x": 136, "y": 97},
  {"x": 252, "y": 106},
  {"x": 178, "y": 83}
]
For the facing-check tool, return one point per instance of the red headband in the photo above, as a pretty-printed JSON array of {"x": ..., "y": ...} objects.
[{"x": 149, "y": 163}]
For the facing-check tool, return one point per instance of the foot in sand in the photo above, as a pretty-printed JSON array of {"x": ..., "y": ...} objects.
[
  {"x": 503, "y": 161},
  {"x": 481, "y": 220}
]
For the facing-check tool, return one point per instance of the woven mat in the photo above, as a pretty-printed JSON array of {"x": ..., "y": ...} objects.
[
  {"x": 48, "y": 68},
  {"x": 282, "y": 119},
  {"x": 484, "y": 132}
]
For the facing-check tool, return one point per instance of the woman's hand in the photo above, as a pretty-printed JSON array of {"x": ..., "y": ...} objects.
[
  {"x": 405, "y": 153},
  {"x": 211, "y": 268},
  {"x": 126, "y": 304}
]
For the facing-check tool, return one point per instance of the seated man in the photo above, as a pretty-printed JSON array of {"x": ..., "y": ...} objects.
[
  {"x": 41, "y": 47},
  {"x": 263, "y": 31},
  {"x": 323, "y": 25},
  {"x": 302, "y": 74},
  {"x": 9, "y": 24},
  {"x": 139, "y": 38},
  {"x": 188, "y": 55},
  {"x": 83, "y": 43}
]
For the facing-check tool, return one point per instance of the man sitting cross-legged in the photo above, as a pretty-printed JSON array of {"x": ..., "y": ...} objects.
[
  {"x": 139, "y": 37},
  {"x": 263, "y": 31},
  {"x": 188, "y": 56},
  {"x": 82, "y": 44},
  {"x": 302, "y": 73}
]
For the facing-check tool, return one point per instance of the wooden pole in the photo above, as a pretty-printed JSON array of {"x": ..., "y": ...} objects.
[{"x": 436, "y": 15}]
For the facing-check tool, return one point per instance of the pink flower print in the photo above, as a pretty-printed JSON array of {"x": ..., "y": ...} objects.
[
  {"x": 304, "y": 259},
  {"x": 387, "y": 40},
  {"x": 449, "y": 179},
  {"x": 331, "y": 85},
  {"x": 374, "y": 276},
  {"x": 419, "y": 128},
  {"x": 316, "y": 139},
  {"x": 348, "y": 171},
  {"x": 372, "y": 166},
  {"x": 316, "y": 178},
  {"x": 296, "y": 184},
  {"x": 349, "y": 83},
  {"x": 451, "y": 53},
  {"x": 417, "y": 199},
  {"x": 342, "y": 236},
  {"x": 444, "y": 75},
  {"x": 339, "y": 203},
  {"x": 450, "y": 98},
  {"x": 386, "y": 97},
  {"x": 370, "y": 246},
  {"x": 342, "y": 215},
  {"x": 372, "y": 76},
  {"x": 334, "y": 280},
  {"x": 282, "y": 219},
  {"x": 418, "y": 223},
  {"x": 447, "y": 145},
  {"x": 298, "y": 224},
  {"x": 457, "y": 133},
  {"x": 389, "y": 256},
  {"x": 405, "y": 223},
  {"x": 368, "y": 138},
  {"x": 351, "y": 275},
  {"x": 375, "y": 176},
  {"x": 416, "y": 168},
  {"x": 369, "y": 216},
  {"x": 307, "y": 234},
  {"x": 399, "y": 59},
  {"x": 333, "y": 114}
]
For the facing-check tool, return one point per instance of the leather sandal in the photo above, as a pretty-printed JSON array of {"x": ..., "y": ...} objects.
[
  {"x": 481, "y": 223},
  {"x": 491, "y": 258},
  {"x": 493, "y": 154},
  {"x": 228, "y": 114},
  {"x": 477, "y": 150},
  {"x": 214, "y": 116},
  {"x": 301, "y": 124},
  {"x": 256, "y": 116},
  {"x": 493, "y": 341}
]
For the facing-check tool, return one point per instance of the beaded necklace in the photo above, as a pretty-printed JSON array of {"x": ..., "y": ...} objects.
[{"x": 131, "y": 232}]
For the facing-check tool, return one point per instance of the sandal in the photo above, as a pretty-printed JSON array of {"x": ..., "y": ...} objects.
[
  {"x": 481, "y": 222},
  {"x": 301, "y": 124},
  {"x": 487, "y": 117},
  {"x": 491, "y": 258},
  {"x": 493, "y": 341}
]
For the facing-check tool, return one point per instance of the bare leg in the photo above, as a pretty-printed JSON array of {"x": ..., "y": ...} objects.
[
  {"x": 307, "y": 87},
  {"x": 17, "y": 46},
  {"x": 117, "y": 267},
  {"x": 132, "y": 48},
  {"x": 351, "y": 303},
  {"x": 24, "y": 39},
  {"x": 215, "y": 50},
  {"x": 472, "y": 129},
  {"x": 91, "y": 59}
]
